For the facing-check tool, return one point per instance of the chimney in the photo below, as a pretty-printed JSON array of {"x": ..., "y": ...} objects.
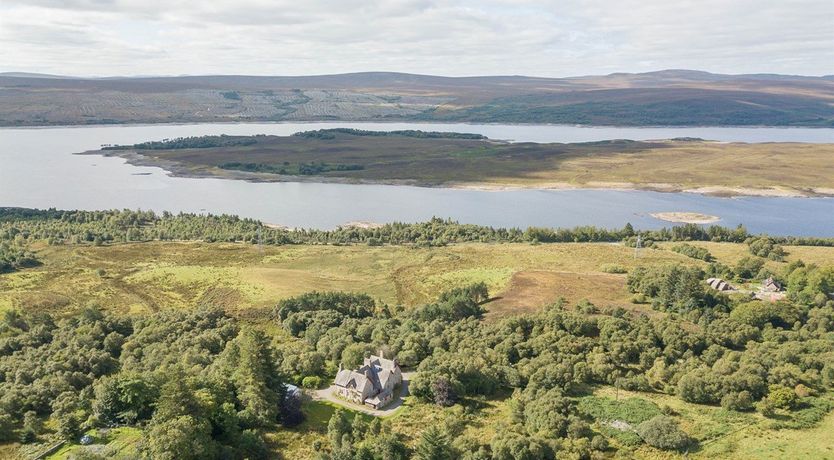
[
  {"x": 340, "y": 366},
  {"x": 381, "y": 353}
]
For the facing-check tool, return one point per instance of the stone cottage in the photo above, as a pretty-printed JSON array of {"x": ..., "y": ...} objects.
[{"x": 372, "y": 384}]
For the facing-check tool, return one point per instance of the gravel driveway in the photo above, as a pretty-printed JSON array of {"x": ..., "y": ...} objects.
[{"x": 327, "y": 394}]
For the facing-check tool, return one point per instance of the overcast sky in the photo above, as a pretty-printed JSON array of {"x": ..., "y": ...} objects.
[{"x": 484, "y": 37}]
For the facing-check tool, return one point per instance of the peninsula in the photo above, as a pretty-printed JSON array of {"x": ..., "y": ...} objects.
[{"x": 462, "y": 160}]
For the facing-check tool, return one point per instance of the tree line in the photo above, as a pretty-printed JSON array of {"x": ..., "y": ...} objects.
[
  {"x": 194, "y": 142},
  {"x": 330, "y": 133}
]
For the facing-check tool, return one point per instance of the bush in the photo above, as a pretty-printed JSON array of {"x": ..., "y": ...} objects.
[
  {"x": 694, "y": 252},
  {"x": 639, "y": 299},
  {"x": 766, "y": 408},
  {"x": 765, "y": 247},
  {"x": 741, "y": 401},
  {"x": 599, "y": 443},
  {"x": 311, "y": 381},
  {"x": 781, "y": 397},
  {"x": 748, "y": 267},
  {"x": 613, "y": 268},
  {"x": 663, "y": 432}
]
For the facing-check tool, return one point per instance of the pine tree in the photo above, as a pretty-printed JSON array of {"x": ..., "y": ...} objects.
[
  {"x": 337, "y": 428},
  {"x": 434, "y": 445},
  {"x": 260, "y": 387}
]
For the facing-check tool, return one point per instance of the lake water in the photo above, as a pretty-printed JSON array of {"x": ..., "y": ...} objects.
[{"x": 38, "y": 170}]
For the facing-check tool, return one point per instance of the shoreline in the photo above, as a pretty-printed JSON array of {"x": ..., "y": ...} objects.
[
  {"x": 176, "y": 169},
  {"x": 394, "y": 121}
]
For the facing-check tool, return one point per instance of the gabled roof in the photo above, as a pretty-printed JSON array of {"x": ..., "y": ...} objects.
[
  {"x": 719, "y": 285},
  {"x": 772, "y": 285},
  {"x": 380, "y": 362},
  {"x": 351, "y": 379},
  {"x": 359, "y": 379},
  {"x": 373, "y": 375}
]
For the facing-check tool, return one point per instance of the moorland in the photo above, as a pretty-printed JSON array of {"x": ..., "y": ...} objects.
[
  {"x": 471, "y": 160},
  {"x": 668, "y": 98},
  {"x": 171, "y": 336}
]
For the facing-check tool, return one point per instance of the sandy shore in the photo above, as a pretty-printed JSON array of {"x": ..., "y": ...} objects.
[
  {"x": 686, "y": 217},
  {"x": 713, "y": 190},
  {"x": 179, "y": 170}
]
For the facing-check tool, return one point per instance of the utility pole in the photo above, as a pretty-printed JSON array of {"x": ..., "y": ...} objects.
[{"x": 637, "y": 246}]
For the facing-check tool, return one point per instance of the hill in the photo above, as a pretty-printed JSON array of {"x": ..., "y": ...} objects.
[{"x": 669, "y": 97}]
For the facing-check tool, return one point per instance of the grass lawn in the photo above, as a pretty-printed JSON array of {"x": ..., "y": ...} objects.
[
  {"x": 297, "y": 442},
  {"x": 118, "y": 443}
]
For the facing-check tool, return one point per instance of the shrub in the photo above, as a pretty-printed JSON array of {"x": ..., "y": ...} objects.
[
  {"x": 765, "y": 408},
  {"x": 613, "y": 268},
  {"x": 748, "y": 267},
  {"x": 311, "y": 381},
  {"x": 663, "y": 432},
  {"x": 781, "y": 397},
  {"x": 692, "y": 387},
  {"x": 694, "y": 252},
  {"x": 741, "y": 401},
  {"x": 599, "y": 443},
  {"x": 765, "y": 247},
  {"x": 639, "y": 299}
]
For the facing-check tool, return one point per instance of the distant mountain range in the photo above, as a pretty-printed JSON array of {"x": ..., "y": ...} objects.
[{"x": 668, "y": 97}]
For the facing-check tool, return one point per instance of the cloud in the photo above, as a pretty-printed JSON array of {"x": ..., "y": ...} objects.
[{"x": 455, "y": 37}]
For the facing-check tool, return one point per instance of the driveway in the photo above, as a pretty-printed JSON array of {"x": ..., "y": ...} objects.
[{"x": 329, "y": 395}]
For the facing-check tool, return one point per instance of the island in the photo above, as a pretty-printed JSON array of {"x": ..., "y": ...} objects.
[
  {"x": 465, "y": 160},
  {"x": 686, "y": 217}
]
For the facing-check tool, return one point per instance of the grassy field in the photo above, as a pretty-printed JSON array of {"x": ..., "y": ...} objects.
[
  {"x": 727, "y": 434},
  {"x": 145, "y": 277},
  {"x": 142, "y": 277},
  {"x": 712, "y": 167}
]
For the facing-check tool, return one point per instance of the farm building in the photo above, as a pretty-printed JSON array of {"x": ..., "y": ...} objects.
[
  {"x": 720, "y": 285},
  {"x": 770, "y": 290},
  {"x": 372, "y": 384},
  {"x": 771, "y": 285}
]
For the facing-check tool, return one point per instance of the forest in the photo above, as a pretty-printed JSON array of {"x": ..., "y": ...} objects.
[{"x": 207, "y": 383}]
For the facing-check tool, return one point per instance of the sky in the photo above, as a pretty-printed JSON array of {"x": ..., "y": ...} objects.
[{"x": 454, "y": 38}]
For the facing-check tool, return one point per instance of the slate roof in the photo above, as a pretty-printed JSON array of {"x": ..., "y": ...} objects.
[
  {"x": 373, "y": 375},
  {"x": 719, "y": 285}
]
